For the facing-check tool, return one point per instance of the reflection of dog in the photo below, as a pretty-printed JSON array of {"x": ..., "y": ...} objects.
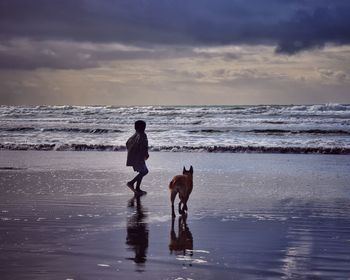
[
  {"x": 184, "y": 240},
  {"x": 182, "y": 184}
]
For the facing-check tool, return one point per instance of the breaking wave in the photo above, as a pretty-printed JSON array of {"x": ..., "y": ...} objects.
[
  {"x": 61, "y": 147},
  {"x": 323, "y": 128},
  {"x": 209, "y": 149}
]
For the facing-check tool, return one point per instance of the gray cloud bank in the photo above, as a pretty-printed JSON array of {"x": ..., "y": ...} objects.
[
  {"x": 291, "y": 25},
  {"x": 28, "y": 54}
]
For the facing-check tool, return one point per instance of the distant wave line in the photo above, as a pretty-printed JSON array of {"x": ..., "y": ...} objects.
[
  {"x": 204, "y": 130},
  {"x": 210, "y": 149},
  {"x": 73, "y": 130},
  {"x": 306, "y": 131},
  {"x": 274, "y": 131}
]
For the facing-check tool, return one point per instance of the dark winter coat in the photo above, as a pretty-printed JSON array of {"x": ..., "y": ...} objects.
[{"x": 137, "y": 146}]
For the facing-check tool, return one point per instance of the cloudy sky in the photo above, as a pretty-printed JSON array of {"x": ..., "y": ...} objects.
[{"x": 145, "y": 52}]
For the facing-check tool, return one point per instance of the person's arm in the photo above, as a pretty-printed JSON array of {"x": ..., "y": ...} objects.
[
  {"x": 144, "y": 147},
  {"x": 131, "y": 142}
]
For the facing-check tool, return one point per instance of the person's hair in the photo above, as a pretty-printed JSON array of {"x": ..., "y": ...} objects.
[{"x": 140, "y": 126}]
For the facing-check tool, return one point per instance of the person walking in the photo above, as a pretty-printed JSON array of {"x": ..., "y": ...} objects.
[{"x": 137, "y": 147}]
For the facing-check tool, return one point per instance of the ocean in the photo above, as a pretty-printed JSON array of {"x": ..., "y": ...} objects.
[{"x": 323, "y": 128}]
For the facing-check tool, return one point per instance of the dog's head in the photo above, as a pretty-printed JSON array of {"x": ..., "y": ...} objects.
[{"x": 187, "y": 172}]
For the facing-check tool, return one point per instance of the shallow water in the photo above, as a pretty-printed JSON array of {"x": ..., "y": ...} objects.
[{"x": 68, "y": 215}]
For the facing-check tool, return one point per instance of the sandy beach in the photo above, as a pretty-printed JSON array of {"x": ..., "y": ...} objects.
[{"x": 69, "y": 215}]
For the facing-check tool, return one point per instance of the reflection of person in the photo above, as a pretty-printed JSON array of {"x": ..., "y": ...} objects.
[
  {"x": 137, "y": 232},
  {"x": 137, "y": 146},
  {"x": 183, "y": 240}
]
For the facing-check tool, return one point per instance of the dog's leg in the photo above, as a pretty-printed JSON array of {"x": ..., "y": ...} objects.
[
  {"x": 180, "y": 225},
  {"x": 172, "y": 198},
  {"x": 182, "y": 199},
  {"x": 180, "y": 210},
  {"x": 185, "y": 204}
]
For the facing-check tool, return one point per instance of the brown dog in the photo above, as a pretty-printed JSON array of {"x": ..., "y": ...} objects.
[{"x": 182, "y": 184}]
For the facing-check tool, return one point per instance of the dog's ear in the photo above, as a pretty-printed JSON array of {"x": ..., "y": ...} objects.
[
  {"x": 191, "y": 169},
  {"x": 184, "y": 170}
]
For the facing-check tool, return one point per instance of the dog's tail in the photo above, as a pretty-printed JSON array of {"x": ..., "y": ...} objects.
[{"x": 172, "y": 184}]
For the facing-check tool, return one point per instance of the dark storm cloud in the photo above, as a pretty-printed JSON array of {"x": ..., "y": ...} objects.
[{"x": 290, "y": 25}]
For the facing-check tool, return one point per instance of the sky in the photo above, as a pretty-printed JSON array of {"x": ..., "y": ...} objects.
[{"x": 174, "y": 52}]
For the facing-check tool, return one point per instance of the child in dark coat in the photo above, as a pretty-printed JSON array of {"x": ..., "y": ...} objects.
[{"x": 137, "y": 146}]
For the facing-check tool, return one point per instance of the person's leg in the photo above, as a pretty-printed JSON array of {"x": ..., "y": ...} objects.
[
  {"x": 137, "y": 168},
  {"x": 133, "y": 181},
  {"x": 142, "y": 172}
]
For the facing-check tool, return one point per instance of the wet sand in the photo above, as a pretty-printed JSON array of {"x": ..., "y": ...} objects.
[{"x": 69, "y": 215}]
